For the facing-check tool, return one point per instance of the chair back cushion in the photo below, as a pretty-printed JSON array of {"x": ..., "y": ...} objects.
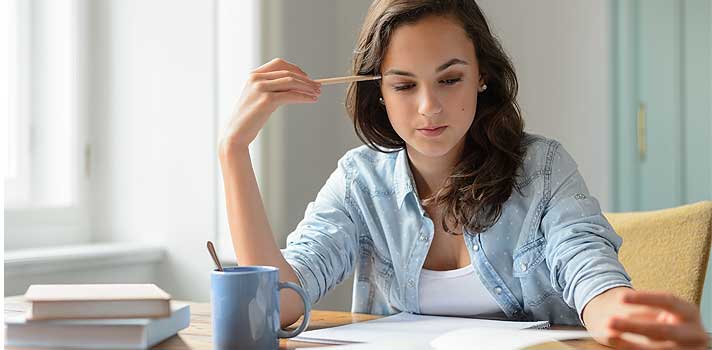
[{"x": 666, "y": 250}]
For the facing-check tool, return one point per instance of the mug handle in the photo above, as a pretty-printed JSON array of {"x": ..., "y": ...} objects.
[{"x": 307, "y": 310}]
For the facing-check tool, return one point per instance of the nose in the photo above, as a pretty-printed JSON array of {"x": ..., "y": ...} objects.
[{"x": 429, "y": 103}]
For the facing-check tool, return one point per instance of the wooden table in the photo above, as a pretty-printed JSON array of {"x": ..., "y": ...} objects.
[{"x": 199, "y": 335}]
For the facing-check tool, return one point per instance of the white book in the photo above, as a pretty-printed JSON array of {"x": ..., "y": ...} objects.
[
  {"x": 124, "y": 333},
  {"x": 72, "y": 301}
]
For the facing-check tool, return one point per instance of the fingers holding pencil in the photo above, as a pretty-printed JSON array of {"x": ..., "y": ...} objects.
[
  {"x": 278, "y": 63},
  {"x": 268, "y": 87}
]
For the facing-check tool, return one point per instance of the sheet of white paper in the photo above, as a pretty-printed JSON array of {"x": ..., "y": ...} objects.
[
  {"x": 500, "y": 338},
  {"x": 468, "y": 338},
  {"x": 405, "y": 327}
]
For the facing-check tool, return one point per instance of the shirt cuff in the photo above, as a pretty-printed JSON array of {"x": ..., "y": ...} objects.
[{"x": 305, "y": 275}]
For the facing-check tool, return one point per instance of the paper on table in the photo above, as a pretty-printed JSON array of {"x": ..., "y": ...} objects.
[
  {"x": 469, "y": 338},
  {"x": 501, "y": 338},
  {"x": 405, "y": 326}
]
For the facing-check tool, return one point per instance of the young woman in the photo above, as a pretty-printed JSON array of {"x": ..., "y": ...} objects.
[{"x": 450, "y": 208}]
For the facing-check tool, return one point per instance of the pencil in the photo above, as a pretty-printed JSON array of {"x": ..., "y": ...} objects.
[{"x": 349, "y": 79}]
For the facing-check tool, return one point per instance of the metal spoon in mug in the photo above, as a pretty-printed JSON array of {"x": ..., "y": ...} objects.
[{"x": 211, "y": 249}]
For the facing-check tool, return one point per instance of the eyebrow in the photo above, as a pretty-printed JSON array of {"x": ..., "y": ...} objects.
[{"x": 442, "y": 67}]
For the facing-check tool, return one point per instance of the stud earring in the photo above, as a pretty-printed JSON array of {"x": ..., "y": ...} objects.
[
  {"x": 380, "y": 99},
  {"x": 483, "y": 88}
]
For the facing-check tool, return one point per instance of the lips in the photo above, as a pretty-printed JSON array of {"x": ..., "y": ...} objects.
[
  {"x": 432, "y": 131},
  {"x": 433, "y": 127}
]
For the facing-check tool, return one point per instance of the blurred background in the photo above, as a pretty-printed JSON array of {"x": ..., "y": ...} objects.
[{"x": 116, "y": 108}]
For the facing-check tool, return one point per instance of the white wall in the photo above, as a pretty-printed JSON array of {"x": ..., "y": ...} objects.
[
  {"x": 561, "y": 51},
  {"x": 152, "y": 133}
]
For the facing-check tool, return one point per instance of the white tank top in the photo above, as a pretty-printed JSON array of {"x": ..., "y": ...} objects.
[{"x": 454, "y": 293}]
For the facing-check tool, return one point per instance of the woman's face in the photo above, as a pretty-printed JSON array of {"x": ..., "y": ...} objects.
[{"x": 430, "y": 80}]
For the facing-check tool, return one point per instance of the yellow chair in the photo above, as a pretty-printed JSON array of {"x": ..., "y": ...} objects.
[{"x": 667, "y": 250}]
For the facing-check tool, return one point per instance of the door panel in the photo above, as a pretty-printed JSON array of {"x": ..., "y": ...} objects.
[{"x": 659, "y": 93}]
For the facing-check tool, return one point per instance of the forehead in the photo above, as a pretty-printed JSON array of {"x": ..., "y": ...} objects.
[{"x": 428, "y": 43}]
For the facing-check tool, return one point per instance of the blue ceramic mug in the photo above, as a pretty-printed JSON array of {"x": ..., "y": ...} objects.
[{"x": 245, "y": 304}]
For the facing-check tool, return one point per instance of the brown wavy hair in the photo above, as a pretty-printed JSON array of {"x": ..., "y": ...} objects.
[{"x": 485, "y": 176}]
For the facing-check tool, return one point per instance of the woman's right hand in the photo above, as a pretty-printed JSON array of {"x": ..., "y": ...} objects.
[{"x": 275, "y": 83}]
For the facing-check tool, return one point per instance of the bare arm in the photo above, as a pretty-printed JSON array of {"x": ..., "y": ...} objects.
[
  {"x": 252, "y": 236},
  {"x": 277, "y": 82},
  {"x": 600, "y": 309}
]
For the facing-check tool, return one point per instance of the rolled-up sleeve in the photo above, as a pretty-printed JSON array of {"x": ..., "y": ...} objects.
[
  {"x": 323, "y": 248},
  {"x": 582, "y": 247}
]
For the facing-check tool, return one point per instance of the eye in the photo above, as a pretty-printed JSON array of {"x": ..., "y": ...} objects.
[
  {"x": 402, "y": 87},
  {"x": 451, "y": 81}
]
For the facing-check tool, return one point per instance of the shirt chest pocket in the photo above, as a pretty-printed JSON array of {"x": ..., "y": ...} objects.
[{"x": 528, "y": 257}]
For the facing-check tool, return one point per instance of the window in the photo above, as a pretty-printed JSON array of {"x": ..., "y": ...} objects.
[
  {"x": 48, "y": 174},
  {"x": 44, "y": 177},
  {"x": 16, "y": 186}
]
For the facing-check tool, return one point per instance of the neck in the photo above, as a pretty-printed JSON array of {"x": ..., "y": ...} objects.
[{"x": 430, "y": 173}]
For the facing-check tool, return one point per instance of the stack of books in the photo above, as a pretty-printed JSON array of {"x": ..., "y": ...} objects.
[{"x": 94, "y": 316}]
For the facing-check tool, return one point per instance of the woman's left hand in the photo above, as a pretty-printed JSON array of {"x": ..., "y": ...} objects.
[{"x": 668, "y": 322}]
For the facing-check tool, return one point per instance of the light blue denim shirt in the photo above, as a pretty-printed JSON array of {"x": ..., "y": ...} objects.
[{"x": 550, "y": 252}]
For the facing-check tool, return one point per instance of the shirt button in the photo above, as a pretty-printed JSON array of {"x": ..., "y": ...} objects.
[
  {"x": 497, "y": 290},
  {"x": 523, "y": 266},
  {"x": 475, "y": 247},
  {"x": 423, "y": 237},
  {"x": 411, "y": 283}
]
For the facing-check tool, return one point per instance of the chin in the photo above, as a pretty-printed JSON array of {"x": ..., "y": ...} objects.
[{"x": 432, "y": 149}]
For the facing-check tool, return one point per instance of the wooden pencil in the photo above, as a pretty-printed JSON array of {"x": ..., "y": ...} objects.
[{"x": 338, "y": 80}]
